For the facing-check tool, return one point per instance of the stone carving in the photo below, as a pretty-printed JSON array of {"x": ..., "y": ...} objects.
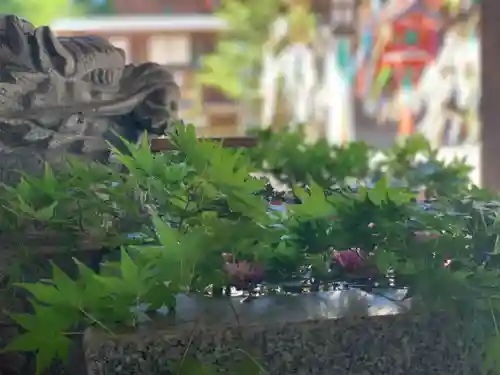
[{"x": 71, "y": 95}]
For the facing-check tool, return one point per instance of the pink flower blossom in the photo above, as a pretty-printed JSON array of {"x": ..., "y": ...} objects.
[
  {"x": 421, "y": 197},
  {"x": 243, "y": 272},
  {"x": 351, "y": 260}
]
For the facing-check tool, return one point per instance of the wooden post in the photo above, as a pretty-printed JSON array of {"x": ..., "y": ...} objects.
[
  {"x": 406, "y": 126},
  {"x": 490, "y": 99}
]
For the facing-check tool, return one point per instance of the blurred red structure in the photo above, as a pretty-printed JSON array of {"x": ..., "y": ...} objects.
[
  {"x": 413, "y": 45},
  {"x": 406, "y": 40}
]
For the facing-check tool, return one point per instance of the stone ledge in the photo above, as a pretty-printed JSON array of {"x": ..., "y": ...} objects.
[{"x": 313, "y": 344}]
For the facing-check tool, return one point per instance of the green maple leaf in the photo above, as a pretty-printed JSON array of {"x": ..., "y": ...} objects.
[
  {"x": 91, "y": 288},
  {"x": 384, "y": 260},
  {"x": 137, "y": 158},
  {"x": 45, "y": 334},
  {"x": 47, "y": 345},
  {"x": 128, "y": 283},
  {"x": 45, "y": 292},
  {"x": 314, "y": 205},
  {"x": 61, "y": 290},
  {"x": 190, "y": 365},
  {"x": 378, "y": 194},
  {"x": 196, "y": 151},
  {"x": 492, "y": 361},
  {"x": 130, "y": 272}
]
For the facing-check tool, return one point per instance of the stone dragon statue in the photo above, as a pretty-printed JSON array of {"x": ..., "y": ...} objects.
[
  {"x": 63, "y": 96},
  {"x": 73, "y": 95}
]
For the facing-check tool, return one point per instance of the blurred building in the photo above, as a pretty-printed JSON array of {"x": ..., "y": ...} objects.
[{"x": 175, "y": 33}]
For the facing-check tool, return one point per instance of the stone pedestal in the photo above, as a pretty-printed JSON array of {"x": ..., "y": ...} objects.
[{"x": 338, "y": 333}]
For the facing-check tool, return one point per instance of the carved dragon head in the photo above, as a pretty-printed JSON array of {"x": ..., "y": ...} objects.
[
  {"x": 26, "y": 48},
  {"x": 46, "y": 82}
]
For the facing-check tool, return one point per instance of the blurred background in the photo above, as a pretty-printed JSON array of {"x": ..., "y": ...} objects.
[{"x": 371, "y": 70}]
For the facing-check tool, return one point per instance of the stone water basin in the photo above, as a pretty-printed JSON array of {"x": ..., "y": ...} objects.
[{"x": 289, "y": 308}]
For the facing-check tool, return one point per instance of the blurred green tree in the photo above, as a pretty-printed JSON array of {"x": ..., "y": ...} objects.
[
  {"x": 235, "y": 65},
  {"x": 40, "y": 12}
]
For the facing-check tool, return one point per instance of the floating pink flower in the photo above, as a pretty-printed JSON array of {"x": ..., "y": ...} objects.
[
  {"x": 243, "y": 272},
  {"x": 351, "y": 260},
  {"x": 421, "y": 197}
]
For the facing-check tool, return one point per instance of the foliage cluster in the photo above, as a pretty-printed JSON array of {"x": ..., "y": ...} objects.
[
  {"x": 412, "y": 163},
  {"x": 188, "y": 207},
  {"x": 43, "y": 12},
  {"x": 234, "y": 67}
]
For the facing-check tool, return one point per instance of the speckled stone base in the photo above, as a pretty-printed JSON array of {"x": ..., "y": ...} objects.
[{"x": 404, "y": 344}]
